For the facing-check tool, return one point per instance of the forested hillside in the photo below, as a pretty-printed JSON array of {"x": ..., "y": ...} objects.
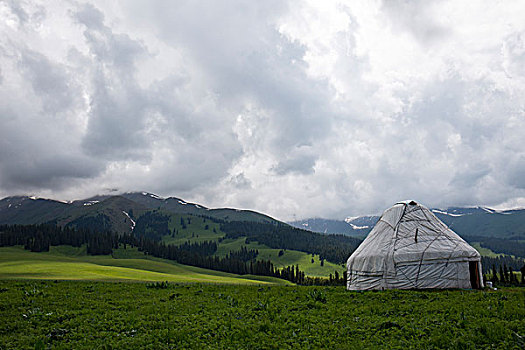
[
  {"x": 39, "y": 238},
  {"x": 177, "y": 222}
]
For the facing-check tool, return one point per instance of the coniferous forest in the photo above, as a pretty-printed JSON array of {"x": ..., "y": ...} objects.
[{"x": 334, "y": 248}]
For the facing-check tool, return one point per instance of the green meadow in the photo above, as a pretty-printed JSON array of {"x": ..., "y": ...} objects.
[
  {"x": 65, "y": 299},
  {"x": 69, "y": 263},
  {"x": 101, "y": 315}
]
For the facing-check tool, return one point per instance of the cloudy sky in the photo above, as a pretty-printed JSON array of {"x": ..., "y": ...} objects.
[{"x": 296, "y": 109}]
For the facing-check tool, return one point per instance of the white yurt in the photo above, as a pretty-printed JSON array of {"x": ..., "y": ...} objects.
[{"x": 410, "y": 248}]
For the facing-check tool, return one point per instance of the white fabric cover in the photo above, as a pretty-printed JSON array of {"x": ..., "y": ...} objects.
[{"x": 392, "y": 257}]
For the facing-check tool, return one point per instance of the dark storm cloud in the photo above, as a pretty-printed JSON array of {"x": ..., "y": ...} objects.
[
  {"x": 299, "y": 161},
  {"x": 49, "y": 80},
  {"x": 36, "y": 150},
  {"x": 117, "y": 104},
  {"x": 33, "y": 157}
]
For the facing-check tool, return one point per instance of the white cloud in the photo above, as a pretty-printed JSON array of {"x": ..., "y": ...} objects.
[{"x": 290, "y": 108}]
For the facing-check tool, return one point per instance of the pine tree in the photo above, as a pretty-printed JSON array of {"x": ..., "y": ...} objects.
[
  {"x": 513, "y": 279},
  {"x": 494, "y": 278}
]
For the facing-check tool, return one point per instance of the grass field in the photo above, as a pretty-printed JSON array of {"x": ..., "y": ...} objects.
[
  {"x": 98, "y": 315},
  {"x": 69, "y": 263},
  {"x": 485, "y": 251}
]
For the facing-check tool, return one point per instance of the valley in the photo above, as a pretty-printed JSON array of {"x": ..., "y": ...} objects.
[{"x": 318, "y": 248}]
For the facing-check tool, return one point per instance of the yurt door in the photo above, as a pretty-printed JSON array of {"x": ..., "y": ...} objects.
[{"x": 474, "y": 274}]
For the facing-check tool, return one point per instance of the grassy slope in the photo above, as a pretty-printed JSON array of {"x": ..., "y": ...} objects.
[
  {"x": 290, "y": 257},
  {"x": 196, "y": 232},
  {"x": 485, "y": 251},
  {"x": 72, "y": 264}
]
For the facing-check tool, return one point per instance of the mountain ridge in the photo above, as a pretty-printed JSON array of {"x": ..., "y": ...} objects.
[
  {"x": 112, "y": 208},
  {"x": 467, "y": 221}
]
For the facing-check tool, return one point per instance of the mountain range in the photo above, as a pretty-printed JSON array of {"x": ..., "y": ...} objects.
[
  {"x": 117, "y": 212},
  {"x": 306, "y": 243},
  {"x": 466, "y": 221}
]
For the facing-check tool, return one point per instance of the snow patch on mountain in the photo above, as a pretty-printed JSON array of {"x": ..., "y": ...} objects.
[
  {"x": 351, "y": 218},
  {"x": 350, "y": 221},
  {"x": 152, "y": 195},
  {"x": 91, "y": 203},
  {"x": 445, "y": 213},
  {"x": 130, "y": 219},
  {"x": 355, "y": 227}
]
